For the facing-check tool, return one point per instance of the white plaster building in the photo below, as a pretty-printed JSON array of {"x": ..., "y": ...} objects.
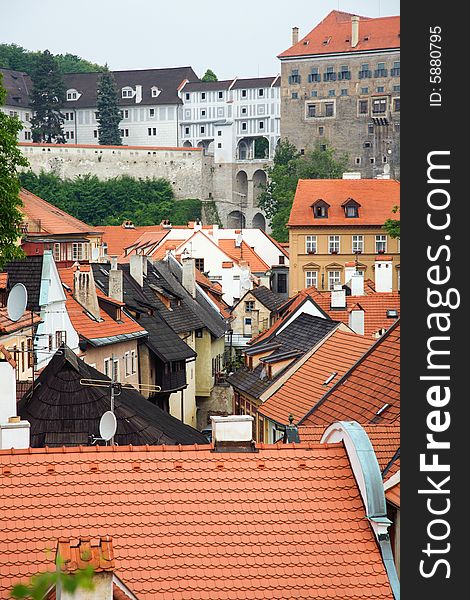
[{"x": 18, "y": 86}]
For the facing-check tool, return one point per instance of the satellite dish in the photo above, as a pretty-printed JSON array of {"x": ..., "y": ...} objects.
[
  {"x": 17, "y": 301},
  {"x": 108, "y": 425}
]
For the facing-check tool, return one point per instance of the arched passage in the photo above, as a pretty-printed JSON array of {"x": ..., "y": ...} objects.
[
  {"x": 241, "y": 187},
  {"x": 187, "y": 144},
  {"x": 235, "y": 220},
  {"x": 259, "y": 184},
  {"x": 259, "y": 221},
  {"x": 261, "y": 147}
]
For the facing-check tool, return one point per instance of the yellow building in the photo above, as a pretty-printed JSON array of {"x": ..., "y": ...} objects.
[{"x": 336, "y": 227}]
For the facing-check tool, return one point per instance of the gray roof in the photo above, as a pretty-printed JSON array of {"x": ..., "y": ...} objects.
[
  {"x": 254, "y": 82},
  {"x": 257, "y": 82},
  {"x": 207, "y": 86},
  {"x": 27, "y": 271},
  {"x": 270, "y": 299},
  {"x": 18, "y": 86},
  {"x": 167, "y": 80}
]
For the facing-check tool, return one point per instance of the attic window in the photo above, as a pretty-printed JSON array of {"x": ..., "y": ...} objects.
[
  {"x": 127, "y": 92},
  {"x": 330, "y": 378},
  {"x": 392, "y": 313},
  {"x": 320, "y": 209},
  {"x": 306, "y": 42},
  {"x": 327, "y": 41},
  {"x": 155, "y": 92},
  {"x": 351, "y": 209},
  {"x": 72, "y": 94}
]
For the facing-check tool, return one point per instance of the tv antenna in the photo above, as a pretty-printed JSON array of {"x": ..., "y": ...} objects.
[
  {"x": 108, "y": 419},
  {"x": 17, "y": 301}
]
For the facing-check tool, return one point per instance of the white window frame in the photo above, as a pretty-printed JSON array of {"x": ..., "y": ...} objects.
[
  {"x": 116, "y": 369},
  {"x": 133, "y": 362},
  {"x": 380, "y": 239},
  {"x": 357, "y": 244},
  {"x": 310, "y": 243},
  {"x": 106, "y": 365},
  {"x": 334, "y": 246},
  {"x": 333, "y": 278},
  {"x": 311, "y": 278},
  {"x": 127, "y": 364}
]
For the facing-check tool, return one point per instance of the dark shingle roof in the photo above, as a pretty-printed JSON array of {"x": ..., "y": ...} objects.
[
  {"x": 28, "y": 272},
  {"x": 257, "y": 82},
  {"x": 270, "y": 299},
  {"x": 298, "y": 337},
  {"x": 167, "y": 80},
  {"x": 207, "y": 86},
  {"x": 18, "y": 86},
  {"x": 63, "y": 412}
]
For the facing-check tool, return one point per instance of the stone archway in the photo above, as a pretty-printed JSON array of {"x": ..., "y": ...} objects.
[
  {"x": 261, "y": 148},
  {"x": 259, "y": 184},
  {"x": 243, "y": 150},
  {"x": 259, "y": 222},
  {"x": 187, "y": 144},
  {"x": 235, "y": 220}
]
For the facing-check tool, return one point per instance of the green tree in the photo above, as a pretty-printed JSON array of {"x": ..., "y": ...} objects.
[
  {"x": 18, "y": 58},
  {"x": 48, "y": 95},
  {"x": 392, "y": 226},
  {"x": 289, "y": 166},
  {"x": 40, "y": 584},
  {"x": 10, "y": 203},
  {"x": 209, "y": 75},
  {"x": 109, "y": 115}
]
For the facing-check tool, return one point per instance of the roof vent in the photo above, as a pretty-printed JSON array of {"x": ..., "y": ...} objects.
[
  {"x": 128, "y": 225},
  {"x": 381, "y": 410},
  {"x": 392, "y": 313},
  {"x": 330, "y": 378},
  {"x": 233, "y": 433}
]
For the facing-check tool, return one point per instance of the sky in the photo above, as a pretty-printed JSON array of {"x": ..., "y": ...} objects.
[{"x": 239, "y": 38}]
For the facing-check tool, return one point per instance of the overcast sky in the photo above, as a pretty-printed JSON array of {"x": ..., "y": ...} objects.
[{"x": 241, "y": 37}]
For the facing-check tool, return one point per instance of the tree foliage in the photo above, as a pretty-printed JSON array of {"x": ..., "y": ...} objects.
[
  {"x": 40, "y": 584},
  {"x": 109, "y": 115},
  {"x": 209, "y": 75},
  {"x": 392, "y": 226},
  {"x": 10, "y": 203},
  {"x": 47, "y": 96},
  {"x": 17, "y": 58},
  {"x": 110, "y": 202},
  {"x": 290, "y": 166}
]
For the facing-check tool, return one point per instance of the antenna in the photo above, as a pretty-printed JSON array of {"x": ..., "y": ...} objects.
[
  {"x": 17, "y": 301},
  {"x": 108, "y": 425}
]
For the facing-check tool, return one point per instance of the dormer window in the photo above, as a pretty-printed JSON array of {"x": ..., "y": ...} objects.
[
  {"x": 320, "y": 209},
  {"x": 72, "y": 94},
  {"x": 127, "y": 92},
  {"x": 155, "y": 92},
  {"x": 351, "y": 208}
]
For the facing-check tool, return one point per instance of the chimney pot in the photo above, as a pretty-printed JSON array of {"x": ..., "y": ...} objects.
[{"x": 295, "y": 35}]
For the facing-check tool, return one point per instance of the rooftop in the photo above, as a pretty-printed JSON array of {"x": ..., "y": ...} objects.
[{"x": 286, "y": 522}]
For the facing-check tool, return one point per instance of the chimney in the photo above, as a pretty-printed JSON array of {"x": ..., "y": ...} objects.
[
  {"x": 14, "y": 433},
  {"x": 84, "y": 291},
  {"x": 115, "y": 281},
  {"x": 291, "y": 433},
  {"x": 357, "y": 284},
  {"x": 245, "y": 277},
  {"x": 197, "y": 225},
  {"x": 138, "y": 94},
  {"x": 354, "y": 31},
  {"x": 295, "y": 35},
  {"x": 138, "y": 268},
  {"x": 189, "y": 275},
  {"x": 383, "y": 274},
  {"x": 215, "y": 234},
  {"x": 233, "y": 433},
  {"x": 338, "y": 297},
  {"x": 356, "y": 319}
]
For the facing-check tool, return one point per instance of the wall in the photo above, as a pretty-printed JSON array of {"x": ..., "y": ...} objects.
[
  {"x": 102, "y": 589},
  {"x": 260, "y": 316},
  {"x": 96, "y": 357},
  {"x": 220, "y": 402},
  {"x": 189, "y": 394},
  {"x": 204, "y": 379}
]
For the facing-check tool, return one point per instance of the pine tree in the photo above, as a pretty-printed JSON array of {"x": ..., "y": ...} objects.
[
  {"x": 109, "y": 115},
  {"x": 209, "y": 75},
  {"x": 48, "y": 95},
  {"x": 10, "y": 203}
]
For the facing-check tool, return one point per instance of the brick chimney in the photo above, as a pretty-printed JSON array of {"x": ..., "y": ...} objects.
[
  {"x": 233, "y": 433},
  {"x": 84, "y": 290},
  {"x": 295, "y": 35},
  {"x": 14, "y": 433},
  {"x": 189, "y": 275},
  {"x": 115, "y": 281},
  {"x": 354, "y": 31}
]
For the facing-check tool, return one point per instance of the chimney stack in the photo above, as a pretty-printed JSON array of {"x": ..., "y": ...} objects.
[
  {"x": 356, "y": 319},
  {"x": 189, "y": 275},
  {"x": 233, "y": 433},
  {"x": 84, "y": 291},
  {"x": 115, "y": 281},
  {"x": 338, "y": 297},
  {"x": 14, "y": 433},
  {"x": 354, "y": 31},
  {"x": 383, "y": 274},
  {"x": 138, "y": 268},
  {"x": 295, "y": 35},
  {"x": 357, "y": 284}
]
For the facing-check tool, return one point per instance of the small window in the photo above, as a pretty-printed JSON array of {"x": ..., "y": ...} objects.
[
  {"x": 329, "y": 109},
  {"x": 331, "y": 93},
  {"x": 203, "y": 112},
  {"x": 244, "y": 93},
  {"x": 95, "y": 133},
  {"x": 379, "y": 106},
  {"x": 396, "y": 104},
  {"x": 333, "y": 244},
  {"x": 323, "y": 147},
  {"x": 334, "y": 277},
  {"x": 363, "y": 107},
  {"x": 396, "y": 88},
  {"x": 244, "y": 126},
  {"x": 282, "y": 260},
  {"x": 244, "y": 110},
  {"x": 314, "y": 94},
  {"x": 219, "y": 132},
  {"x": 321, "y": 130},
  {"x": 155, "y": 92},
  {"x": 152, "y": 112},
  {"x": 320, "y": 210},
  {"x": 357, "y": 244},
  {"x": 261, "y": 124},
  {"x": 219, "y": 145},
  {"x": 311, "y": 110},
  {"x": 311, "y": 278},
  {"x": 187, "y": 96},
  {"x": 295, "y": 96},
  {"x": 380, "y": 89},
  {"x": 364, "y": 90},
  {"x": 370, "y": 128},
  {"x": 220, "y": 95},
  {"x": 203, "y": 130},
  {"x": 344, "y": 92},
  {"x": 199, "y": 263},
  {"x": 186, "y": 131},
  {"x": 310, "y": 244},
  {"x": 203, "y": 95},
  {"x": 357, "y": 160},
  {"x": 351, "y": 211},
  {"x": 249, "y": 306},
  {"x": 60, "y": 338},
  {"x": 127, "y": 92},
  {"x": 260, "y": 92},
  {"x": 380, "y": 244}
]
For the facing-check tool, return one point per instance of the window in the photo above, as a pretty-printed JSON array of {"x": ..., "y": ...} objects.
[
  {"x": 281, "y": 283},
  {"x": 330, "y": 75},
  {"x": 199, "y": 262},
  {"x": 203, "y": 112},
  {"x": 244, "y": 94},
  {"x": 331, "y": 93},
  {"x": 261, "y": 124},
  {"x": 23, "y": 358},
  {"x": 367, "y": 144},
  {"x": 50, "y": 344},
  {"x": 187, "y": 96},
  {"x": 314, "y": 75},
  {"x": 127, "y": 92},
  {"x": 124, "y": 132},
  {"x": 357, "y": 160},
  {"x": 372, "y": 161},
  {"x": 60, "y": 338},
  {"x": 310, "y": 244},
  {"x": 127, "y": 364},
  {"x": 396, "y": 127},
  {"x": 380, "y": 89},
  {"x": 244, "y": 126},
  {"x": 97, "y": 115},
  {"x": 344, "y": 73},
  {"x": 329, "y": 109},
  {"x": 333, "y": 244},
  {"x": 77, "y": 251},
  {"x": 334, "y": 277},
  {"x": 344, "y": 92},
  {"x": 155, "y": 92},
  {"x": 133, "y": 362},
  {"x": 351, "y": 211},
  {"x": 357, "y": 244},
  {"x": 314, "y": 93},
  {"x": 56, "y": 251},
  {"x": 381, "y": 71},
  {"x": 244, "y": 110},
  {"x": 72, "y": 94},
  {"x": 151, "y": 112},
  {"x": 363, "y": 107},
  {"x": 95, "y": 133},
  {"x": 282, "y": 260},
  {"x": 249, "y": 306},
  {"x": 27, "y": 135},
  {"x": 294, "y": 96},
  {"x": 380, "y": 244},
  {"x": 294, "y": 76},
  {"x": 396, "y": 88},
  {"x": 219, "y": 145},
  {"x": 364, "y": 73},
  {"x": 152, "y": 131},
  {"x": 311, "y": 110},
  {"x": 364, "y": 90},
  {"x": 320, "y": 210},
  {"x": 220, "y": 95},
  {"x": 396, "y": 104},
  {"x": 186, "y": 131},
  {"x": 124, "y": 114},
  {"x": 379, "y": 106},
  {"x": 321, "y": 131},
  {"x": 260, "y": 92},
  {"x": 219, "y": 132},
  {"x": 395, "y": 72},
  {"x": 116, "y": 370},
  {"x": 203, "y": 95},
  {"x": 27, "y": 116},
  {"x": 370, "y": 129},
  {"x": 311, "y": 278}
]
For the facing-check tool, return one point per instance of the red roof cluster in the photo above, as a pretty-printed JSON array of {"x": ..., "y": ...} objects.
[
  {"x": 286, "y": 522},
  {"x": 333, "y": 35}
]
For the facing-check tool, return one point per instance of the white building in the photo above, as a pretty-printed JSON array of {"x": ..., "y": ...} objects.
[{"x": 17, "y": 103}]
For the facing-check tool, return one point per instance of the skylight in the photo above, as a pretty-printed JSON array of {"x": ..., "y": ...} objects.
[{"x": 330, "y": 378}]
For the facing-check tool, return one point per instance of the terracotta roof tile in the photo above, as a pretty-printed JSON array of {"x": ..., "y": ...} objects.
[
  {"x": 293, "y": 529},
  {"x": 8, "y": 326},
  {"x": 118, "y": 237},
  {"x": 377, "y": 198},
  {"x": 370, "y": 386},
  {"x": 3, "y": 280},
  {"x": 306, "y": 385},
  {"x": 333, "y": 34},
  {"x": 393, "y": 495},
  {"x": 243, "y": 252}
]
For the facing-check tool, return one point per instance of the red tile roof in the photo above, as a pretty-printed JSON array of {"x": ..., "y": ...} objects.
[
  {"x": 286, "y": 522},
  {"x": 9, "y": 326},
  {"x": 118, "y": 237},
  {"x": 52, "y": 220},
  {"x": 306, "y": 385},
  {"x": 85, "y": 552},
  {"x": 377, "y": 198},
  {"x": 335, "y": 29},
  {"x": 84, "y": 324},
  {"x": 3, "y": 280},
  {"x": 366, "y": 388},
  {"x": 393, "y": 495},
  {"x": 243, "y": 252}
]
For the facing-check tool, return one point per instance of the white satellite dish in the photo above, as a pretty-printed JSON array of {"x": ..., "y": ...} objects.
[
  {"x": 108, "y": 425},
  {"x": 17, "y": 301}
]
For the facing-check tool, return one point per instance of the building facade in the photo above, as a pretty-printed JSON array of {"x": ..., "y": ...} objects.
[
  {"x": 17, "y": 103},
  {"x": 340, "y": 86}
]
